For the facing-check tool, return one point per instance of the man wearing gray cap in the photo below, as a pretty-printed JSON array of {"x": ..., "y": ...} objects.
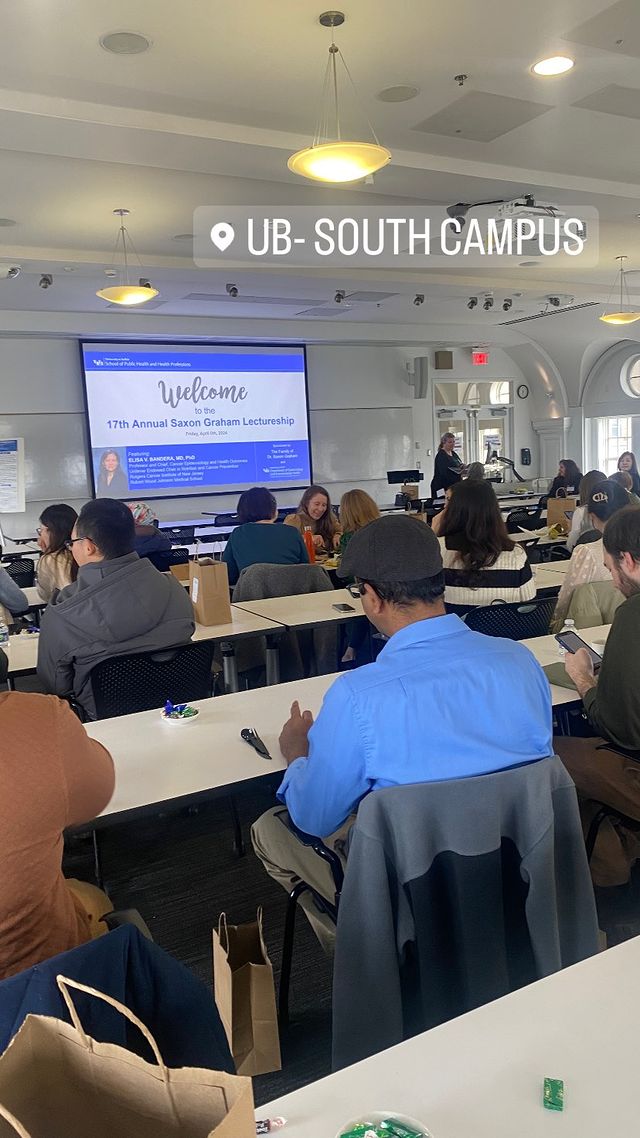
[{"x": 440, "y": 702}]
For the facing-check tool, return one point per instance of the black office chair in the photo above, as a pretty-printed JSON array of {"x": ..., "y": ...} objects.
[
  {"x": 524, "y": 517},
  {"x": 326, "y": 906},
  {"x": 604, "y": 812},
  {"x": 165, "y": 558},
  {"x": 181, "y": 534},
  {"x": 23, "y": 571},
  {"x": 123, "y": 685},
  {"x": 514, "y": 621},
  {"x": 559, "y": 553}
]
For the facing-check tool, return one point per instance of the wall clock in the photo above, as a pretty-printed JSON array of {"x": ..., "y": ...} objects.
[{"x": 522, "y": 391}]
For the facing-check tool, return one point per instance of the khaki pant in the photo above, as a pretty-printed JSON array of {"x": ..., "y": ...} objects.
[
  {"x": 609, "y": 779},
  {"x": 287, "y": 861},
  {"x": 94, "y": 902}
]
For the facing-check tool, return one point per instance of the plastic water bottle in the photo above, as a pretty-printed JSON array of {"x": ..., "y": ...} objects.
[
  {"x": 568, "y": 626},
  {"x": 4, "y": 633}
]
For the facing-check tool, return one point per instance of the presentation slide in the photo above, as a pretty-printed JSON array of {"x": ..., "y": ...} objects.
[{"x": 170, "y": 420}]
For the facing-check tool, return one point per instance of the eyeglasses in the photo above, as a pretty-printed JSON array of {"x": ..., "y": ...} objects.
[
  {"x": 70, "y": 542},
  {"x": 356, "y": 591},
  {"x": 39, "y": 530}
]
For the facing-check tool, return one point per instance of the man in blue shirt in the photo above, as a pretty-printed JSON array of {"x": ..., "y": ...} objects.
[{"x": 440, "y": 702}]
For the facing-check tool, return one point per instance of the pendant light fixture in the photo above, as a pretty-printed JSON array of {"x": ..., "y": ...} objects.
[
  {"x": 126, "y": 293},
  {"x": 331, "y": 158},
  {"x": 623, "y": 316}
]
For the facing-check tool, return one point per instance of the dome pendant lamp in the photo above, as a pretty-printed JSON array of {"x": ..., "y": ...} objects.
[
  {"x": 623, "y": 316},
  {"x": 125, "y": 293},
  {"x": 331, "y": 158}
]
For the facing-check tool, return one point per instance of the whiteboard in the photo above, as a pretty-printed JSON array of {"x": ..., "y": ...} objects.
[
  {"x": 361, "y": 443},
  {"x": 55, "y": 454}
]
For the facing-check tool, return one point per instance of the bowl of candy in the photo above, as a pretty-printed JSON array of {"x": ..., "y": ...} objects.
[
  {"x": 179, "y": 713},
  {"x": 383, "y": 1124}
]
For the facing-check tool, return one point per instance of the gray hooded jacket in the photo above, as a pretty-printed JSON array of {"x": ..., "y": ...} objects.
[{"x": 115, "y": 607}]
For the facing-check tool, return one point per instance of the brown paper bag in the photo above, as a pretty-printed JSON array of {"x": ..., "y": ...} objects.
[
  {"x": 57, "y": 1082},
  {"x": 557, "y": 510},
  {"x": 180, "y": 572},
  {"x": 209, "y": 591},
  {"x": 245, "y": 996}
]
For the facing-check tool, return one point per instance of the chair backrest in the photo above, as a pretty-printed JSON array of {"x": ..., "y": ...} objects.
[
  {"x": 23, "y": 571},
  {"x": 259, "y": 582},
  {"x": 456, "y": 893},
  {"x": 179, "y": 534},
  {"x": 523, "y": 517},
  {"x": 514, "y": 621},
  {"x": 165, "y": 558},
  {"x": 594, "y": 603},
  {"x": 123, "y": 685}
]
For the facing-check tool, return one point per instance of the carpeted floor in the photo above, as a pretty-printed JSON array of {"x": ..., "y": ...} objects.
[{"x": 179, "y": 870}]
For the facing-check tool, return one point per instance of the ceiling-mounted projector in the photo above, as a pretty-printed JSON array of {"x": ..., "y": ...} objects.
[{"x": 8, "y": 272}]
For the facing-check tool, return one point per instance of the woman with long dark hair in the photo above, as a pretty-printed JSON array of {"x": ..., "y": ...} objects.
[
  {"x": 567, "y": 480},
  {"x": 448, "y": 467},
  {"x": 56, "y": 567},
  {"x": 112, "y": 480},
  {"x": 315, "y": 513},
  {"x": 627, "y": 462},
  {"x": 481, "y": 562}
]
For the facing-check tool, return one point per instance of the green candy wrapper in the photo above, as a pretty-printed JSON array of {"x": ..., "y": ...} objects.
[
  {"x": 395, "y": 1129},
  {"x": 553, "y": 1094}
]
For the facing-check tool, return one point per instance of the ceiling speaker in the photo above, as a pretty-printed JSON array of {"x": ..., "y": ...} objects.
[{"x": 444, "y": 361}]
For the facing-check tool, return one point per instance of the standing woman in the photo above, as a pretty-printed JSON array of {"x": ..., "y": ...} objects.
[
  {"x": 448, "y": 467},
  {"x": 315, "y": 513},
  {"x": 56, "y": 567},
  {"x": 627, "y": 462},
  {"x": 112, "y": 480}
]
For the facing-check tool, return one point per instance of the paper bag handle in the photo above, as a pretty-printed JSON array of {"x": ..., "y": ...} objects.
[
  {"x": 223, "y": 929},
  {"x": 64, "y": 983},
  {"x": 13, "y": 1121}
]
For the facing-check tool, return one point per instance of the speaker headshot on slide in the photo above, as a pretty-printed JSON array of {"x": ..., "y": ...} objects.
[{"x": 111, "y": 481}]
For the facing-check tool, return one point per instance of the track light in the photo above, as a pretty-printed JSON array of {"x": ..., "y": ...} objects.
[
  {"x": 418, "y": 299},
  {"x": 339, "y": 296},
  {"x": 232, "y": 290},
  {"x": 472, "y": 302},
  {"x": 488, "y": 303},
  {"x": 506, "y": 304}
]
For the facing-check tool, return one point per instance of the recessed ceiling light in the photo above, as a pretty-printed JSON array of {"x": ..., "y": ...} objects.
[
  {"x": 528, "y": 264},
  {"x": 182, "y": 237},
  {"x": 70, "y": 268},
  {"x": 6, "y": 222},
  {"x": 398, "y": 94},
  {"x": 125, "y": 43},
  {"x": 554, "y": 65}
]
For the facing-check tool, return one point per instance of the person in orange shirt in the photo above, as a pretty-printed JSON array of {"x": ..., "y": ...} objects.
[{"x": 52, "y": 775}]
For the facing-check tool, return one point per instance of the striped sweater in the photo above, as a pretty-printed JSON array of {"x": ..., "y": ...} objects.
[{"x": 508, "y": 579}]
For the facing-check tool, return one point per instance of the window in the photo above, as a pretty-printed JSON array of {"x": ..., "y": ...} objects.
[
  {"x": 614, "y": 437},
  {"x": 630, "y": 377},
  {"x": 500, "y": 393}
]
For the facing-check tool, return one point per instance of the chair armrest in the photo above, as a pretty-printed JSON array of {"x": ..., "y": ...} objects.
[
  {"x": 323, "y": 851},
  {"x": 119, "y": 917}
]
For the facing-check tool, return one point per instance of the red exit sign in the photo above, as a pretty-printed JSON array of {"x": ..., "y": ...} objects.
[{"x": 478, "y": 358}]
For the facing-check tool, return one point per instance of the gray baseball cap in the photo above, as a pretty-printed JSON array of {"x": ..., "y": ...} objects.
[{"x": 396, "y": 547}]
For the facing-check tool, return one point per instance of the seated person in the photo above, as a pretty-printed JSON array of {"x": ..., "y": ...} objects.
[
  {"x": 13, "y": 602},
  {"x": 398, "y": 721},
  {"x": 481, "y": 562},
  {"x": 315, "y": 513},
  {"x": 56, "y": 566},
  {"x": 257, "y": 540},
  {"x": 624, "y": 479},
  {"x": 148, "y": 538},
  {"x": 475, "y": 472},
  {"x": 52, "y": 775},
  {"x": 627, "y": 462},
  {"x": 119, "y": 604},
  {"x": 357, "y": 509},
  {"x": 612, "y": 702},
  {"x": 566, "y": 481},
  {"x": 581, "y": 529},
  {"x": 587, "y": 561}
]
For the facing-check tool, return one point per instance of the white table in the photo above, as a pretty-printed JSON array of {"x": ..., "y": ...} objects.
[
  {"x": 547, "y": 651},
  {"x": 22, "y": 650},
  {"x": 542, "y": 535},
  {"x": 547, "y": 578},
  {"x": 557, "y": 567},
  {"x": 306, "y": 610},
  {"x": 481, "y": 1075},
  {"x": 158, "y": 762}
]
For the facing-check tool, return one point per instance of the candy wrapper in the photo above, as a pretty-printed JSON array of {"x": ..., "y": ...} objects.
[
  {"x": 179, "y": 712},
  {"x": 387, "y": 1128},
  {"x": 268, "y": 1125}
]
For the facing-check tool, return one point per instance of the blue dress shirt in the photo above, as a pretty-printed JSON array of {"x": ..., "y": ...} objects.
[{"x": 440, "y": 702}]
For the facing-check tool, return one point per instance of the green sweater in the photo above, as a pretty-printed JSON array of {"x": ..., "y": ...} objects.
[
  {"x": 613, "y": 705},
  {"x": 257, "y": 543}
]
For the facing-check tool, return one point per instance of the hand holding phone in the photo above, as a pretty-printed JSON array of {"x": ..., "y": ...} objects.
[{"x": 572, "y": 642}]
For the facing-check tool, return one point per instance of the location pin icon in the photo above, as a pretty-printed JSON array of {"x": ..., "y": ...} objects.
[{"x": 222, "y": 234}]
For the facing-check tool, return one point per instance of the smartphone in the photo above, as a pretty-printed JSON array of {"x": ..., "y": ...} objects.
[
  {"x": 571, "y": 641},
  {"x": 343, "y": 608}
]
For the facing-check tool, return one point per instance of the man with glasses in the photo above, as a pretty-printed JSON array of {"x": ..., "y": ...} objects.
[
  {"x": 440, "y": 702},
  {"x": 119, "y": 604}
]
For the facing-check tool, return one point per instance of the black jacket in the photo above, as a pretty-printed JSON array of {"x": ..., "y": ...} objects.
[{"x": 447, "y": 471}]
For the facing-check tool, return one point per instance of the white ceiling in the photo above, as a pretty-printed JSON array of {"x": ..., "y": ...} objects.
[{"x": 209, "y": 115}]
